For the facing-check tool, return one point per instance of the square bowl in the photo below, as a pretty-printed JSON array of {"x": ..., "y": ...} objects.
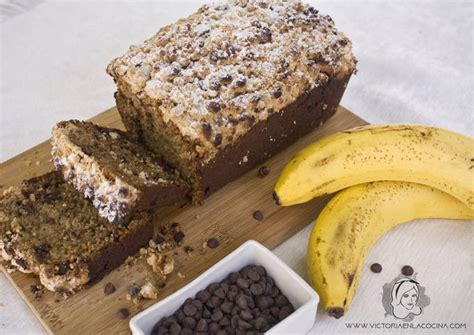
[{"x": 299, "y": 293}]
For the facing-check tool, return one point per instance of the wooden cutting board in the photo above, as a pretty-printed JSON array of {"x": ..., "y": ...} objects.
[{"x": 226, "y": 215}]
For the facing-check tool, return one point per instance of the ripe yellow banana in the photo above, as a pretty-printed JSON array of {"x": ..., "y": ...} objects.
[
  {"x": 353, "y": 221},
  {"x": 426, "y": 155}
]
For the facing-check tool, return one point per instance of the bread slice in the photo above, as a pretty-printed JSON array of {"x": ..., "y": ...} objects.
[
  {"x": 49, "y": 229},
  {"x": 118, "y": 174}
]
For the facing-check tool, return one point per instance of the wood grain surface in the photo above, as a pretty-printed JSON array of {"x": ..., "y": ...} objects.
[{"x": 226, "y": 215}]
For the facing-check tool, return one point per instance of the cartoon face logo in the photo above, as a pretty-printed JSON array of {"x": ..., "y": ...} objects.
[
  {"x": 404, "y": 298},
  {"x": 405, "y": 295}
]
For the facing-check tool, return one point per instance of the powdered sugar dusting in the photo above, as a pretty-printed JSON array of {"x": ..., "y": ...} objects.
[{"x": 233, "y": 64}]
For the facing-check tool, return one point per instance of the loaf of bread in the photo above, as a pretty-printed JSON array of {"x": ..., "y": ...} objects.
[
  {"x": 49, "y": 229},
  {"x": 226, "y": 88},
  {"x": 119, "y": 175}
]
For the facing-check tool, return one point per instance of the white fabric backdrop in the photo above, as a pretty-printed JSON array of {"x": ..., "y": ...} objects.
[{"x": 415, "y": 65}]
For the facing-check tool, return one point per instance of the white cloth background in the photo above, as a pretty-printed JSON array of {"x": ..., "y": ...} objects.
[{"x": 415, "y": 65}]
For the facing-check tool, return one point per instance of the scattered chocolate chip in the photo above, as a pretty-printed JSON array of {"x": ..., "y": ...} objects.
[
  {"x": 123, "y": 313},
  {"x": 214, "y": 106},
  {"x": 134, "y": 289},
  {"x": 189, "y": 322},
  {"x": 178, "y": 236},
  {"x": 109, "y": 288},
  {"x": 213, "y": 243},
  {"x": 258, "y": 215},
  {"x": 263, "y": 171},
  {"x": 376, "y": 268},
  {"x": 207, "y": 130},
  {"x": 37, "y": 290},
  {"x": 407, "y": 270}
]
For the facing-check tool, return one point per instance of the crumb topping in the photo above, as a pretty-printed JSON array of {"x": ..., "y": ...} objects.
[{"x": 225, "y": 67}]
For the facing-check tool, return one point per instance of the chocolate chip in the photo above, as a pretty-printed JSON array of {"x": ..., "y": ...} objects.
[
  {"x": 240, "y": 82},
  {"x": 225, "y": 321},
  {"x": 265, "y": 35},
  {"x": 263, "y": 171},
  {"x": 109, "y": 288},
  {"x": 407, "y": 270},
  {"x": 233, "y": 276},
  {"x": 213, "y": 327},
  {"x": 214, "y": 106},
  {"x": 21, "y": 263},
  {"x": 283, "y": 313},
  {"x": 178, "y": 236},
  {"x": 134, "y": 289},
  {"x": 217, "y": 315},
  {"x": 42, "y": 251},
  {"x": 201, "y": 326},
  {"x": 281, "y": 301},
  {"x": 63, "y": 268},
  {"x": 258, "y": 215},
  {"x": 226, "y": 79},
  {"x": 159, "y": 239},
  {"x": 243, "y": 325},
  {"x": 256, "y": 289},
  {"x": 241, "y": 301},
  {"x": 220, "y": 293},
  {"x": 246, "y": 315},
  {"x": 277, "y": 93},
  {"x": 376, "y": 268},
  {"x": 207, "y": 130},
  {"x": 189, "y": 309},
  {"x": 123, "y": 191},
  {"x": 260, "y": 323},
  {"x": 215, "y": 85},
  {"x": 123, "y": 313},
  {"x": 242, "y": 283},
  {"x": 186, "y": 331},
  {"x": 175, "y": 329},
  {"x": 206, "y": 313},
  {"x": 189, "y": 322},
  {"x": 213, "y": 243},
  {"x": 218, "y": 139},
  {"x": 227, "y": 306},
  {"x": 203, "y": 295},
  {"x": 262, "y": 302}
]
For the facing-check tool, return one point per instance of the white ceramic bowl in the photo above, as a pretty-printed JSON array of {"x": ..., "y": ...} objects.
[{"x": 301, "y": 295}]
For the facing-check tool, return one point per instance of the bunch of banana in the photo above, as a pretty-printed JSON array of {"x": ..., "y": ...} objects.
[{"x": 391, "y": 174}]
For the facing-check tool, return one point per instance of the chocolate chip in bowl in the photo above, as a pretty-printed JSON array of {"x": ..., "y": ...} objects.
[{"x": 250, "y": 290}]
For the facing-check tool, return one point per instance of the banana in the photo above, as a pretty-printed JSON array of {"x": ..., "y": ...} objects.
[
  {"x": 353, "y": 221},
  {"x": 421, "y": 154}
]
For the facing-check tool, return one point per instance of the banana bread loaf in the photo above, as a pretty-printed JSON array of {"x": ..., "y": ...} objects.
[
  {"x": 118, "y": 174},
  {"x": 49, "y": 229},
  {"x": 224, "y": 89}
]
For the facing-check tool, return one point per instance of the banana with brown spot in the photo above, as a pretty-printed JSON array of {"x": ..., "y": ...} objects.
[
  {"x": 353, "y": 221},
  {"x": 420, "y": 154}
]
